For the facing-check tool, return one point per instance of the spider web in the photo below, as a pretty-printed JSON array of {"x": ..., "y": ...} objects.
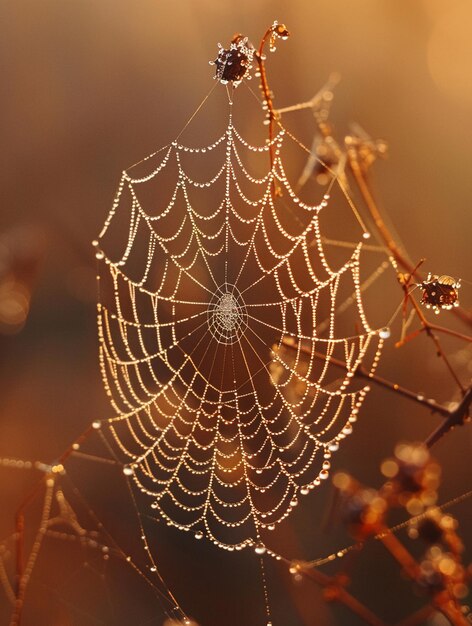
[{"x": 218, "y": 330}]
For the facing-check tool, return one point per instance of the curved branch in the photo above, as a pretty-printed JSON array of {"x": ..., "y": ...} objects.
[{"x": 359, "y": 174}]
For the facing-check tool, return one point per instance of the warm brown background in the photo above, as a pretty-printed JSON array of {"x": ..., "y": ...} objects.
[{"x": 88, "y": 87}]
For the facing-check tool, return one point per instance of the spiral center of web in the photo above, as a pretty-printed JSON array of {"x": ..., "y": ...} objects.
[{"x": 227, "y": 316}]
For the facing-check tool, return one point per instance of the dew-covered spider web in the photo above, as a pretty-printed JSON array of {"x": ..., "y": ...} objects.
[
  {"x": 218, "y": 336},
  {"x": 235, "y": 351}
]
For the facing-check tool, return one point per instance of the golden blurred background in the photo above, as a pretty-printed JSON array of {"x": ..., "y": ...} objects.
[{"x": 89, "y": 87}]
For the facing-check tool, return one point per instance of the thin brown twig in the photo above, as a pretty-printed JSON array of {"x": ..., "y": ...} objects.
[
  {"x": 335, "y": 592},
  {"x": 452, "y": 333},
  {"x": 359, "y": 173},
  {"x": 418, "y": 617},
  {"x": 442, "y": 601},
  {"x": 454, "y": 418},
  {"x": 399, "y": 552},
  {"x": 457, "y": 417},
  {"x": 436, "y": 328},
  {"x": 20, "y": 528},
  {"x": 24, "y": 571},
  {"x": 360, "y": 176},
  {"x": 432, "y": 405},
  {"x": 429, "y": 331},
  {"x": 268, "y": 96},
  {"x": 20, "y": 539}
]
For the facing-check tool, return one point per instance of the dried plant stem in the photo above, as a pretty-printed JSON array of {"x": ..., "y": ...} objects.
[
  {"x": 399, "y": 552},
  {"x": 20, "y": 541},
  {"x": 360, "y": 176},
  {"x": 418, "y": 618},
  {"x": 80, "y": 439},
  {"x": 429, "y": 331},
  {"x": 452, "y": 333},
  {"x": 438, "y": 329},
  {"x": 317, "y": 99},
  {"x": 364, "y": 188},
  {"x": 335, "y": 586},
  {"x": 5, "y": 582},
  {"x": 448, "y": 607},
  {"x": 456, "y": 418},
  {"x": 267, "y": 95},
  {"x": 378, "y": 380},
  {"x": 334, "y": 591},
  {"x": 24, "y": 571},
  {"x": 442, "y": 601}
]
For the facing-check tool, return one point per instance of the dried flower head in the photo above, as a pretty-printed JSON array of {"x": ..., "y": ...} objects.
[
  {"x": 277, "y": 31},
  {"x": 362, "y": 509},
  {"x": 441, "y": 569},
  {"x": 440, "y": 292},
  {"x": 413, "y": 478},
  {"x": 235, "y": 63}
]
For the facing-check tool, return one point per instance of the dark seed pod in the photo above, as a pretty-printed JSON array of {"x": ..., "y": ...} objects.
[
  {"x": 440, "y": 292},
  {"x": 234, "y": 64}
]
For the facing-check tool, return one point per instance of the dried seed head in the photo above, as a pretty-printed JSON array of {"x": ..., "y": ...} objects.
[
  {"x": 235, "y": 63},
  {"x": 440, "y": 292}
]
